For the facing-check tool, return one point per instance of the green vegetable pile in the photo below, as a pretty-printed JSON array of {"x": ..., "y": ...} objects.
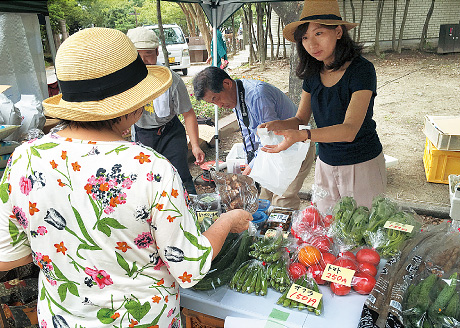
[
  {"x": 277, "y": 275},
  {"x": 250, "y": 278},
  {"x": 350, "y": 221},
  {"x": 234, "y": 252},
  {"x": 268, "y": 249},
  {"x": 309, "y": 283},
  {"x": 433, "y": 303},
  {"x": 356, "y": 226}
]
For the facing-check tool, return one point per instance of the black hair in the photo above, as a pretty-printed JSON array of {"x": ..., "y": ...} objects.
[
  {"x": 346, "y": 49},
  {"x": 210, "y": 79},
  {"x": 96, "y": 125}
]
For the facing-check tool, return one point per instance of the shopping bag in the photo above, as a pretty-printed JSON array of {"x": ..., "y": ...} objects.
[{"x": 276, "y": 171}]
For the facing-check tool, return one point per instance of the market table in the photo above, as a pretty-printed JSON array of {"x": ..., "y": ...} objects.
[{"x": 262, "y": 311}]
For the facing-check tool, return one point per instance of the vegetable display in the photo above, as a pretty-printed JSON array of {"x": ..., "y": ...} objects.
[
  {"x": 250, "y": 278},
  {"x": 307, "y": 283}
]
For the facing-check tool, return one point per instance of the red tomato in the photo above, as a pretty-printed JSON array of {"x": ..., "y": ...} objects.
[
  {"x": 348, "y": 254},
  {"x": 363, "y": 283},
  {"x": 327, "y": 220},
  {"x": 316, "y": 271},
  {"x": 323, "y": 243},
  {"x": 328, "y": 258},
  {"x": 346, "y": 262},
  {"x": 339, "y": 289},
  {"x": 368, "y": 255},
  {"x": 297, "y": 270},
  {"x": 311, "y": 216},
  {"x": 367, "y": 268}
]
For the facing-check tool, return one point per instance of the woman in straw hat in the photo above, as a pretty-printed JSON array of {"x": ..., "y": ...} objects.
[
  {"x": 104, "y": 219},
  {"x": 339, "y": 88}
]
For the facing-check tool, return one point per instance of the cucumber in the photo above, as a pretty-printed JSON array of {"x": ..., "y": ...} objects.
[
  {"x": 444, "y": 296},
  {"x": 220, "y": 276},
  {"x": 423, "y": 301}
]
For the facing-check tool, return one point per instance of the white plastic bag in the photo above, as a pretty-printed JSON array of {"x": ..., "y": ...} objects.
[
  {"x": 276, "y": 171},
  {"x": 31, "y": 111}
]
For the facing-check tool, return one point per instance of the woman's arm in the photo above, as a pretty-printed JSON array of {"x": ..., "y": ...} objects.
[
  {"x": 6, "y": 266},
  {"x": 344, "y": 132}
]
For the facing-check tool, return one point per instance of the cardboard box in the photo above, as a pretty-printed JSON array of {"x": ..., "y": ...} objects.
[{"x": 443, "y": 131}]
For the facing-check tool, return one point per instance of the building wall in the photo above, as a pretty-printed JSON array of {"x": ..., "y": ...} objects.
[{"x": 445, "y": 12}]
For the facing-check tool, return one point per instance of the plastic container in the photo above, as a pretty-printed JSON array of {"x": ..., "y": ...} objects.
[
  {"x": 441, "y": 140},
  {"x": 264, "y": 205},
  {"x": 259, "y": 217},
  {"x": 439, "y": 164},
  {"x": 236, "y": 158}
]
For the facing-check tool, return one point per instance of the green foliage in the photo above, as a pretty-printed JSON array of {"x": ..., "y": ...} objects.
[{"x": 170, "y": 14}]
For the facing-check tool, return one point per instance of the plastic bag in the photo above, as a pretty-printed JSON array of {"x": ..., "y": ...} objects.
[
  {"x": 206, "y": 207},
  {"x": 278, "y": 217},
  {"x": 31, "y": 111},
  {"x": 251, "y": 277},
  {"x": 234, "y": 252},
  {"x": 276, "y": 171},
  {"x": 236, "y": 191}
]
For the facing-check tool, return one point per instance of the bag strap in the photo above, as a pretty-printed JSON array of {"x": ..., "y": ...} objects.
[{"x": 245, "y": 119}]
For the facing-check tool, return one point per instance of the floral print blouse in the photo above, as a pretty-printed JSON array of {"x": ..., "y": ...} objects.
[{"x": 108, "y": 225}]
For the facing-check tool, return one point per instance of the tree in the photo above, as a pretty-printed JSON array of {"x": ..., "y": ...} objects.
[
  {"x": 393, "y": 37},
  {"x": 162, "y": 35},
  {"x": 378, "y": 24},
  {"x": 290, "y": 12},
  {"x": 361, "y": 18},
  {"x": 425, "y": 27},
  {"x": 403, "y": 23}
]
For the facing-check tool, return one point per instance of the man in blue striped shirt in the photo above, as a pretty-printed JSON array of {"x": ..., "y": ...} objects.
[{"x": 254, "y": 102}]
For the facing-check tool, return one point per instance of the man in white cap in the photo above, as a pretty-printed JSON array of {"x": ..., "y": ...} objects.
[{"x": 159, "y": 126}]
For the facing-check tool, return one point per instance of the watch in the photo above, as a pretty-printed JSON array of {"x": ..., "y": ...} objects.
[{"x": 308, "y": 134}]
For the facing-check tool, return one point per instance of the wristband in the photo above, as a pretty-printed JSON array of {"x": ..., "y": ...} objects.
[{"x": 308, "y": 135}]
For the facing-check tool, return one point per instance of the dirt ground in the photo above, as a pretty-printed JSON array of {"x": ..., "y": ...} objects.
[{"x": 409, "y": 86}]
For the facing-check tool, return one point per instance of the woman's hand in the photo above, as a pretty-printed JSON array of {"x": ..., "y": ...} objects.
[
  {"x": 273, "y": 125},
  {"x": 239, "y": 220},
  {"x": 290, "y": 138}
]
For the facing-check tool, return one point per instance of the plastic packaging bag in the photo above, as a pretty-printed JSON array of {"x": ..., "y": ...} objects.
[
  {"x": 251, "y": 277},
  {"x": 236, "y": 191},
  {"x": 276, "y": 171},
  {"x": 32, "y": 115}
]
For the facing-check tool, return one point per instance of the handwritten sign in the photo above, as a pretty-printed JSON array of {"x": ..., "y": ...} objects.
[
  {"x": 272, "y": 233},
  {"x": 398, "y": 226},
  {"x": 338, "y": 274},
  {"x": 304, "y": 295},
  {"x": 210, "y": 215}
]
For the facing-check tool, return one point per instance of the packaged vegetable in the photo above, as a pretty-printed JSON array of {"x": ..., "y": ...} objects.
[{"x": 236, "y": 191}]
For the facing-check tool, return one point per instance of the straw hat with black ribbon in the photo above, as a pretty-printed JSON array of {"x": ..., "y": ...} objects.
[
  {"x": 324, "y": 12},
  {"x": 101, "y": 76}
]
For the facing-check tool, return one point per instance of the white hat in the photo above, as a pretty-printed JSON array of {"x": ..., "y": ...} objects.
[{"x": 143, "y": 38}]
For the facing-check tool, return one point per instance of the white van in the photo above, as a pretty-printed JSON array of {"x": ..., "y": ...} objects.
[{"x": 176, "y": 43}]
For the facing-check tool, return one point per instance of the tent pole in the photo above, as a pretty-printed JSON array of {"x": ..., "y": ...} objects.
[
  {"x": 49, "y": 34},
  {"x": 214, "y": 55}
]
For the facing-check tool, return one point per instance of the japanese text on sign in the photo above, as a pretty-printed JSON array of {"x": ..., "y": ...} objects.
[
  {"x": 304, "y": 295},
  {"x": 398, "y": 226},
  {"x": 338, "y": 274},
  {"x": 213, "y": 215}
]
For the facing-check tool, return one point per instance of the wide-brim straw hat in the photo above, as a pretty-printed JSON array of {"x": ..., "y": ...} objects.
[
  {"x": 3, "y": 88},
  {"x": 101, "y": 76},
  {"x": 324, "y": 12}
]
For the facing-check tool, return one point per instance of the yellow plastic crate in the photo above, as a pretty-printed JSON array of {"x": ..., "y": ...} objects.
[{"x": 440, "y": 163}]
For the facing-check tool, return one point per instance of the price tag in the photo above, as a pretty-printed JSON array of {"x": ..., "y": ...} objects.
[
  {"x": 213, "y": 215},
  {"x": 272, "y": 233},
  {"x": 304, "y": 295},
  {"x": 278, "y": 217},
  {"x": 398, "y": 226},
  {"x": 338, "y": 274}
]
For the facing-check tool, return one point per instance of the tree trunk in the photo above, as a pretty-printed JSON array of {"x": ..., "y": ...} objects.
[
  {"x": 378, "y": 24},
  {"x": 393, "y": 37},
  {"x": 279, "y": 39},
  {"x": 188, "y": 18},
  {"x": 162, "y": 34},
  {"x": 403, "y": 23},
  {"x": 248, "y": 18},
  {"x": 361, "y": 18},
  {"x": 232, "y": 19},
  {"x": 425, "y": 27},
  {"x": 270, "y": 34},
  {"x": 344, "y": 10},
  {"x": 261, "y": 41},
  {"x": 353, "y": 15},
  {"x": 63, "y": 28},
  {"x": 290, "y": 12}
]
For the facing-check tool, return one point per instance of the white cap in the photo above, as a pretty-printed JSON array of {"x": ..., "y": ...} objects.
[{"x": 143, "y": 38}]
